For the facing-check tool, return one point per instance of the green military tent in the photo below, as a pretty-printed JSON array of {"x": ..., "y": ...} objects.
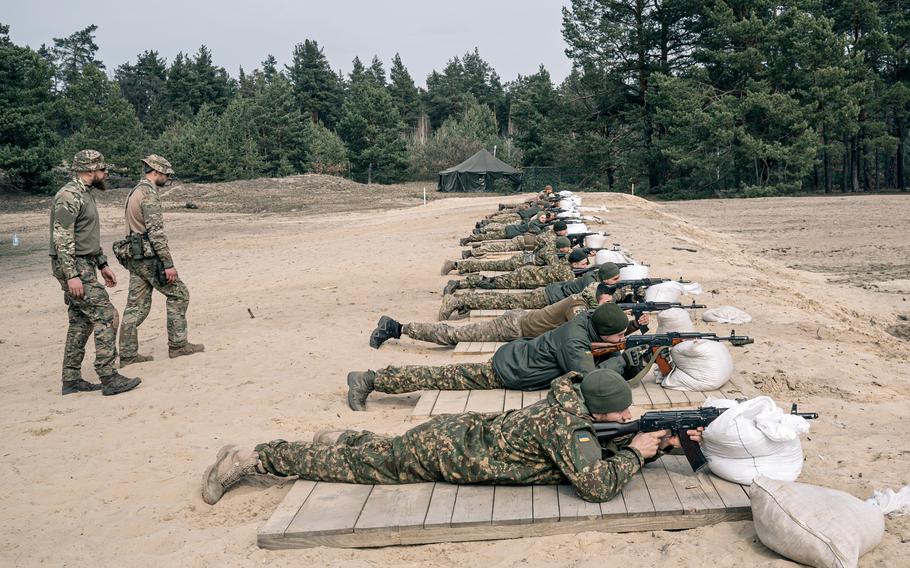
[{"x": 477, "y": 174}]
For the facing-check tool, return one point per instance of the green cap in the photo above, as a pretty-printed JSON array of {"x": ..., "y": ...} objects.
[
  {"x": 606, "y": 271},
  {"x": 563, "y": 242},
  {"x": 605, "y": 391},
  {"x": 577, "y": 254},
  {"x": 88, "y": 161},
  {"x": 609, "y": 319},
  {"x": 560, "y": 226}
]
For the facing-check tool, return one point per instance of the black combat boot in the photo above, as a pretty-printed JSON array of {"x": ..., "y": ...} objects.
[
  {"x": 451, "y": 287},
  {"x": 387, "y": 328},
  {"x": 360, "y": 385},
  {"x": 79, "y": 385},
  {"x": 117, "y": 383},
  {"x": 466, "y": 253}
]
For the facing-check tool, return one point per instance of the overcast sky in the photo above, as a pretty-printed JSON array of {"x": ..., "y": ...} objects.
[{"x": 514, "y": 36}]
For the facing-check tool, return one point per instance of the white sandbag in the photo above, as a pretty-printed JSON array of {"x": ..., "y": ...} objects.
[
  {"x": 634, "y": 272},
  {"x": 726, "y": 314},
  {"x": 699, "y": 365},
  {"x": 614, "y": 256},
  {"x": 571, "y": 214},
  {"x": 674, "y": 319},
  {"x": 671, "y": 291},
  {"x": 892, "y": 502},
  {"x": 814, "y": 525},
  {"x": 596, "y": 241},
  {"x": 575, "y": 228},
  {"x": 752, "y": 438}
]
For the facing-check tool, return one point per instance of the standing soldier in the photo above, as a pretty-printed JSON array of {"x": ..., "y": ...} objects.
[
  {"x": 75, "y": 251},
  {"x": 153, "y": 269}
]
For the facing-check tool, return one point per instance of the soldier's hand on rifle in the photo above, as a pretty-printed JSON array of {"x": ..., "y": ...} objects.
[
  {"x": 110, "y": 279},
  {"x": 75, "y": 287},
  {"x": 170, "y": 274},
  {"x": 644, "y": 319},
  {"x": 647, "y": 443},
  {"x": 694, "y": 435}
]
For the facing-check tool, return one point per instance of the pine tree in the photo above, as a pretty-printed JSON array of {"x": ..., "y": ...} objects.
[
  {"x": 99, "y": 117},
  {"x": 143, "y": 86},
  {"x": 404, "y": 93},
  {"x": 377, "y": 71},
  {"x": 71, "y": 54},
  {"x": 317, "y": 89},
  {"x": 29, "y": 147},
  {"x": 370, "y": 128}
]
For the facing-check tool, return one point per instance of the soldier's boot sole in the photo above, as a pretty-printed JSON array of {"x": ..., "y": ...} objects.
[
  {"x": 124, "y": 361},
  {"x": 447, "y": 266},
  {"x": 212, "y": 490},
  {"x": 72, "y": 387},
  {"x": 450, "y": 287}
]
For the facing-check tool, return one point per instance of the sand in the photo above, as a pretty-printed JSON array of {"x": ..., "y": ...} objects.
[{"x": 109, "y": 481}]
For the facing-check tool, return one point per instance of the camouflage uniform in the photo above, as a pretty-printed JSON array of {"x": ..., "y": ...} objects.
[
  {"x": 504, "y": 218},
  {"x": 75, "y": 250},
  {"x": 144, "y": 275},
  {"x": 493, "y": 301},
  {"x": 519, "y": 243},
  {"x": 550, "y": 442},
  {"x": 542, "y": 256},
  {"x": 525, "y": 277},
  {"x": 503, "y": 328},
  {"x": 461, "y": 376}
]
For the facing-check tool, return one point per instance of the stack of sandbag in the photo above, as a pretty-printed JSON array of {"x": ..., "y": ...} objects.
[
  {"x": 674, "y": 320},
  {"x": 699, "y": 365},
  {"x": 818, "y": 526},
  {"x": 634, "y": 272},
  {"x": 754, "y": 438},
  {"x": 671, "y": 291},
  {"x": 615, "y": 256}
]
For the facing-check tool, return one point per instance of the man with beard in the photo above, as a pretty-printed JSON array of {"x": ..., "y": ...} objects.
[
  {"x": 75, "y": 250},
  {"x": 153, "y": 269}
]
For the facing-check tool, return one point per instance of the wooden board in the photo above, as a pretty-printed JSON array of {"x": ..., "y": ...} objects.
[
  {"x": 476, "y": 347},
  {"x": 665, "y": 495}
]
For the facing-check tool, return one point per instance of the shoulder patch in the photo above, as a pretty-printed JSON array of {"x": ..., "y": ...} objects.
[{"x": 586, "y": 446}]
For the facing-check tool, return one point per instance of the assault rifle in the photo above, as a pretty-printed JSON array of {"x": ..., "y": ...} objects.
[
  {"x": 678, "y": 422},
  {"x": 646, "y": 282},
  {"x": 638, "y": 308},
  {"x": 659, "y": 344}
]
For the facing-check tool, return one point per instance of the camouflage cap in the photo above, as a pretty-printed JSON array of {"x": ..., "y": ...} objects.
[
  {"x": 158, "y": 163},
  {"x": 88, "y": 161}
]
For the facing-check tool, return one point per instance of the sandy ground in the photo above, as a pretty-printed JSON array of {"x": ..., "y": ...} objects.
[{"x": 108, "y": 481}]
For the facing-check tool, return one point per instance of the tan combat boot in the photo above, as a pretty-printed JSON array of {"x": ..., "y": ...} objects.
[
  {"x": 124, "y": 361},
  {"x": 447, "y": 266},
  {"x": 186, "y": 349},
  {"x": 231, "y": 465}
]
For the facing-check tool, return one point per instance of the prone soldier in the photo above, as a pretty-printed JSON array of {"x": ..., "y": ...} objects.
[{"x": 550, "y": 442}]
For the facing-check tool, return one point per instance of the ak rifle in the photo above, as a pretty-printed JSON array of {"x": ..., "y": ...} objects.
[
  {"x": 639, "y": 308},
  {"x": 659, "y": 345}
]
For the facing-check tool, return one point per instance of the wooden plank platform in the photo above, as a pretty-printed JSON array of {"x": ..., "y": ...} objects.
[
  {"x": 485, "y": 314},
  {"x": 647, "y": 396},
  {"x": 665, "y": 495},
  {"x": 476, "y": 347}
]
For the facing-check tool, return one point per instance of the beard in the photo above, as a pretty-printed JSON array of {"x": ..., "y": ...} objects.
[
  {"x": 100, "y": 184},
  {"x": 160, "y": 182}
]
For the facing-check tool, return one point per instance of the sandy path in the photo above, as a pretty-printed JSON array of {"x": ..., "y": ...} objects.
[{"x": 90, "y": 480}]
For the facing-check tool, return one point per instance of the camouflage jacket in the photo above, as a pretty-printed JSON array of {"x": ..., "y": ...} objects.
[
  {"x": 549, "y": 442},
  {"x": 153, "y": 216},
  {"x": 75, "y": 227}
]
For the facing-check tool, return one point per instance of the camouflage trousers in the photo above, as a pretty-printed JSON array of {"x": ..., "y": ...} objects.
[
  {"x": 518, "y": 243},
  {"x": 94, "y": 312},
  {"x": 506, "y": 265},
  {"x": 463, "y": 376},
  {"x": 524, "y": 277},
  {"x": 504, "y": 218},
  {"x": 532, "y": 300},
  {"x": 506, "y": 327},
  {"x": 363, "y": 457},
  {"x": 492, "y": 235},
  {"x": 143, "y": 281}
]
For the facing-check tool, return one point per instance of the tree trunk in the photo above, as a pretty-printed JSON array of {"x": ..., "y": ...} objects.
[
  {"x": 854, "y": 165},
  {"x": 899, "y": 158}
]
